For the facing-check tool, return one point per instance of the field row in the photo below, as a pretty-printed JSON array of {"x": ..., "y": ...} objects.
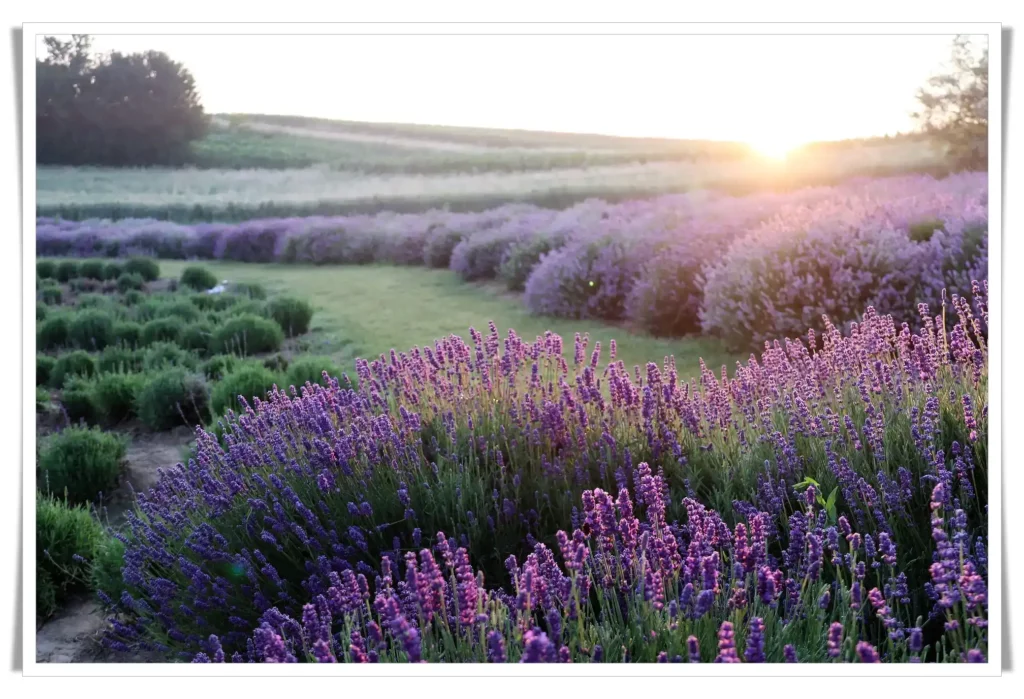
[
  {"x": 224, "y": 194},
  {"x": 745, "y": 269}
]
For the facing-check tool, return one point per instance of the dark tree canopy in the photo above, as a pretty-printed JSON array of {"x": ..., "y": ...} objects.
[
  {"x": 117, "y": 109},
  {"x": 954, "y": 106}
]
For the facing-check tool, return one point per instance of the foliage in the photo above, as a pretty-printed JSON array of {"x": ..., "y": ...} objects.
[
  {"x": 66, "y": 540},
  {"x": 954, "y": 106},
  {"x": 161, "y": 330},
  {"x": 173, "y": 396},
  {"x": 120, "y": 358},
  {"x": 113, "y": 109},
  {"x": 51, "y": 294},
  {"x": 44, "y": 367},
  {"x": 217, "y": 366},
  {"x": 114, "y": 394},
  {"x": 129, "y": 281},
  {"x": 164, "y": 354},
  {"x": 198, "y": 278},
  {"x": 181, "y": 309},
  {"x": 127, "y": 333},
  {"x": 246, "y": 334},
  {"x": 92, "y": 269},
  {"x": 522, "y": 256},
  {"x": 145, "y": 267},
  {"x": 66, "y": 271},
  {"x": 76, "y": 363},
  {"x": 311, "y": 369},
  {"x": 80, "y": 463},
  {"x": 292, "y": 314},
  {"x": 52, "y": 333},
  {"x": 248, "y": 381},
  {"x": 195, "y": 337},
  {"x": 112, "y": 270},
  {"x": 46, "y": 269},
  {"x": 91, "y": 329},
  {"x": 78, "y": 400}
]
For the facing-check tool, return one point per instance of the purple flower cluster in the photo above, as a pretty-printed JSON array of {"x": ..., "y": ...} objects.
[{"x": 594, "y": 484}]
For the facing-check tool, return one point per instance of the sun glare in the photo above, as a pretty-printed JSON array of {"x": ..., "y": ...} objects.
[{"x": 774, "y": 148}]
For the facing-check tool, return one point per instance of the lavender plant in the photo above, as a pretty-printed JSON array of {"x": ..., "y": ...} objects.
[{"x": 590, "y": 512}]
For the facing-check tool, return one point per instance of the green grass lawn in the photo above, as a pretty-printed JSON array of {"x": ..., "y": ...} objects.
[{"x": 367, "y": 311}]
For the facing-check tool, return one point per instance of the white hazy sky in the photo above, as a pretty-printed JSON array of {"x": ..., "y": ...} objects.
[{"x": 758, "y": 89}]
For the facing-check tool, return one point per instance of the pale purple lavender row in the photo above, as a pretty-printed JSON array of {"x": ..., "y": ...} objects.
[{"x": 747, "y": 268}]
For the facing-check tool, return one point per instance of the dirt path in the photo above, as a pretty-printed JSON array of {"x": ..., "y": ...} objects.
[
  {"x": 73, "y": 635},
  {"x": 147, "y": 453}
]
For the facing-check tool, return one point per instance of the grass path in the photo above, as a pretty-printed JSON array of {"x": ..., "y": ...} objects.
[{"x": 369, "y": 310}]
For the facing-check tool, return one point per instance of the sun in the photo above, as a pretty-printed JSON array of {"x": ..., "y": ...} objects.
[{"x": 774, "y": 146}]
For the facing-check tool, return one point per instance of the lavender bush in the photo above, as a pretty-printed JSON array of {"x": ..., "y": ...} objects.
[
  {"x": 589, "y": 513},
  {"x": 747, "y": 268}
]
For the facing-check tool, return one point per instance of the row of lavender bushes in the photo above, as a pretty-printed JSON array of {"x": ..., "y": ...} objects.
[
  {"x": 492, "y": 501},
  {"x": 746, "y": 269}
]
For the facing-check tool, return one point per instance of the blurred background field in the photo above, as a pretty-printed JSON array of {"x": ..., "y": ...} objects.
[{"x": 250, "y": 166}]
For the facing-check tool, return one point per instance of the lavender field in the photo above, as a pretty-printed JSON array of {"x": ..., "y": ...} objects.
[{"x": 746, "y": 269}]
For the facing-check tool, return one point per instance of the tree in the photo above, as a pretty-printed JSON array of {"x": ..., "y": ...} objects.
[
  {"x": 954, "y": 106},
  {"x": 118, "y": 109}
]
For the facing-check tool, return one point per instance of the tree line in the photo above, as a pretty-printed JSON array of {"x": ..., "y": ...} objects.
[{"x": 115, "y": 109}]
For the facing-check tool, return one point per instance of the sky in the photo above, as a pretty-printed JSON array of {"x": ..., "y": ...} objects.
[{"x": 768, "y": 90}]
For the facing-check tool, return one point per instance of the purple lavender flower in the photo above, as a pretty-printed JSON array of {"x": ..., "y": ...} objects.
[
  {"x": 755, "y": 641},
  {"x": 726, "y": 644},
  {"x": 835, "y": 639}
]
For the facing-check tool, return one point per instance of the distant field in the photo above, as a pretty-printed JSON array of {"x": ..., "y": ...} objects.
[
  {"x": 367, "y": 311},
  {"x": 342, "y": 167}
]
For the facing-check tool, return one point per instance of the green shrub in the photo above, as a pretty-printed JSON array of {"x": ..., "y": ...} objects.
[
  {"x": 292, "y": 314},
  {"x": 250, "y": 290},
  {"x": 44, "y": 367},
  {"x": 67, "y": 538},
  {"x": 245, "y": 306},
  {"x": 311, "y": 369},
  {"x": 91, "y": 329},
  {"x": 922, "y": 231},
  {"x": 128, "y": 282},
  {"x": 42, "y": 399},
  {"x": 81, "y": 462},
  {"x": 127, "y": 333},
  {"x": 46, "y": 269},
  {"x": 196, "y": 337},
  {"x": 161, "y": 355},
  {"x": 114, "y": 396},
  {"x": 112, "y": 270},
  {"x": 77, "y": 363},
  {"x": 180, "y": 309},
  {"x": 277, "y": 362},
  {"x": 51, "y": 294},
  {"x": 248, "y": 380},
  {"x": 198, "y": 278},
  {"x": 53, "y": 333},
  {"x": 215, "y": 302},
  {"x": 145, "y": 267},
  {"x": 522, "y": 257},
  {"x": 172, "y": 397},
  {"x": 92, "y": 269},
  {"x": 82, "y": 285},
  {"x": 94, "y": 301},
  {"x": 161, "y": 330},
  {"x": 107, "y": 576},
  {"x": 217, "y": 366},
  {"x": 132, "y": 297},
  {"x": 67, "y": 270},
  {"x": 79, "y": 401},
  {"x": 119, "y": 358},
  {"x": 41, "y": 311},
  {"x": 247, "y": 334}
]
